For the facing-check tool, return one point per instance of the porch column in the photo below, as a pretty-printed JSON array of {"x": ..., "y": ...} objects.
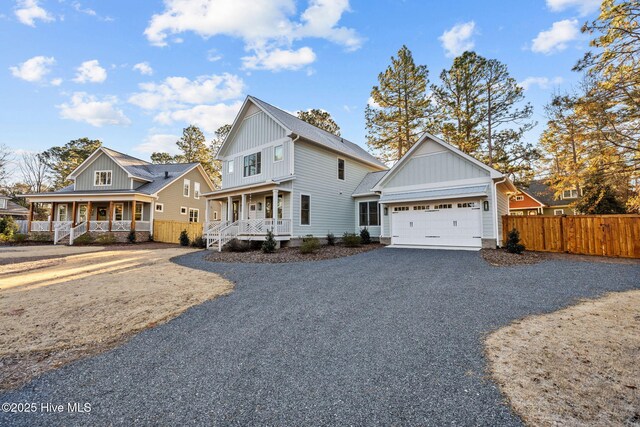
[
  {"x": 206, "y": 210},
  {"x": 229, "y": 209},
  {"x": 243, "y": 215},
  {"x": 110, "y": 214},
  {"x": 89, "y": 215},
  {"x": 274, "y": 212},
  {"x": 53, "y": 209},
  {"x": 73, "y": 214},
  {"x": 380, "y": 217},
  {"x": 133, "y": 216},
  {"x": 30, "y": 217}
]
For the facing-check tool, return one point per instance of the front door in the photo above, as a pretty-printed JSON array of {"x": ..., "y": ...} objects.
[
  {"x": 101, "y": 213},
  {"x": 235, "y": 207},
  {"x": 252, "y": 211}
]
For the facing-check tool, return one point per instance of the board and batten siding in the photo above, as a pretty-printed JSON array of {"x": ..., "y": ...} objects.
[
  {"x": 435, "y": 167},
  {"x": 503, "y": 209},
  {"x": 172, "y": 198},
  {"x": 332, "y": 207},
  {"x": 255, "y": 129},
  {"x": 119, "y": 178},
  {"x": 269, "y": 168}
]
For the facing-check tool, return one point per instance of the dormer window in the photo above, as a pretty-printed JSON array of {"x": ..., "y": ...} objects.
[
  {"x": 570, "y": 194},
  {"x": 102, "y": 178},
  {"x": 519, "y": 198}
]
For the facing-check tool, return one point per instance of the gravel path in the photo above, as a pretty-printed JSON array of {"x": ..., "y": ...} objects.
[{"x": 392, "y": 336}]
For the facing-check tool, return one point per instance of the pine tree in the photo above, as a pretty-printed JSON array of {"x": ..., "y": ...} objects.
[
  {"x": 61, "y": 161},
  {"x": 162, "y": 158},
  {"x": 220, "y": 135},
  {"x": 321, "y": 119},
  {"x": 599, "y": 197},
  {"x": 193, "y": 149},
  {"x": 401, "y": 109}
]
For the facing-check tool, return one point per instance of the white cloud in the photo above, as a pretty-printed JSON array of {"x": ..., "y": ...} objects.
[
  {"x": 585, "y": 7},
  {"x": 208, "y": 117},
  {"x": 144, "y": 68},
  {"x": 556, "y": 38},
  {"x": 371, "y": 103},
  {"x": 175, "y": 92},
  {"x": 213, "y": 55},
  {"x": 90, "y": 72},
  {"x": 89, "y": 109},
  {"x": 56, "y": 82},
  {"x": 159, "y": 142},
  {"x": 458, "y": 39},
  {"x": 279, "y": 59},
  {"x": 28, "y": 11},
  {"x": 264, "y": 26},
  {"x": 87, "y": 11},
  {"x": 541, "y": 82},
  {"x": 34, "y": 69}
]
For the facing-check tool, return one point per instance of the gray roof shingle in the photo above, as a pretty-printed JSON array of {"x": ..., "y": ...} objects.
[
  {"x": 368, "y": 182},
  {"x": 315, "y": 134}
]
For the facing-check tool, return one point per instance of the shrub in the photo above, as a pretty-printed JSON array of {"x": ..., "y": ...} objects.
[
  {"x": 131, "y": 237},
  {"x": 8, "y": 226},
  {"x": 365, "y": 237},
  {"x": 269, "y": 245},
  {"x": 513, "y": 242},
  {"x": 84, "y": 239},
  {"x": 19, "y": 238},
  {"x": 331, "y": 239},
  {"x": 351, "y": 240},
  {"x": 199, "y": 242},
  {"x": 106, "y": 239},
  {"x": 309, "y": 245},
  {"x": 41, "y": 237},
  {"x": 184, "y": 238},
  {"x": 236, "y": 245}
]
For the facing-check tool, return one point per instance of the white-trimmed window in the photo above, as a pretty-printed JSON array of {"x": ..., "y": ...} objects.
[
  {"x": 517, "y": 213},
  {"x": 305, "y": 209},
  {"x": 253, "y": 164},
  {"x": 341, "y": 169},
  {"x": 519, "y": 198},
  {"x": 230, "y": 166},
  {"x": 369, "y": 214},
  {"x": 278, "y": 153},
  {"x": 82, "y": 213},
  {"x": 558, "y": 211},
  {"x": 194, "y": 215},
  {"x": 186, "y": 188},
  {"x": 118, "y": 210},
  {"x": 63, "y": 213},
  {"x": 139, "y": 213},
  {"x": 159, "y": 207},
  {"x": 215, "y": 215},
  {"x": 3, "y": 203},
  {"x": 400, "y": 208},
  {"x": 570, "y": 194},
  {"x": 196, "y": 190},
  {"x": 531, "y": 213},
  {"x": 102, "y": 178},
  {"x": 183, "y": 210}
]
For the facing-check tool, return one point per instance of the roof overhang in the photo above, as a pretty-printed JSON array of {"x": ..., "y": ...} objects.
[
  {"x": 86, "y": 197},
  {"x": 73, "y": 175},
  {"x": 251, "y": 188},
  {"x": 437, "y": 194}
]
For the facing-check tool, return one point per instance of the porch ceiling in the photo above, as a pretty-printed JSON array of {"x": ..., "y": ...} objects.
[
  {"x": 256, "y": 190},
  {"x": 80, "y": 198}
]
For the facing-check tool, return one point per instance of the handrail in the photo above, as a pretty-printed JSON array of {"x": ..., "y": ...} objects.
[
  {"x": 61, "y": 230},
  {"x": 77, "y": 231}
]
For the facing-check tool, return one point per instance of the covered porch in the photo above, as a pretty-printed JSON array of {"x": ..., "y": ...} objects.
[
  {"x": 249, "y": 213},
  {"x": 72, "y": 217}
]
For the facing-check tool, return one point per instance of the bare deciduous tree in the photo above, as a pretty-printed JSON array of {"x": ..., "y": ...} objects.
[{"x": 34, "y": 171}]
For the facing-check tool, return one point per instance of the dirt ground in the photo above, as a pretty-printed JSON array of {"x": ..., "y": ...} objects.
[
  {"x": 79, "y": 301},
  {"x": 290, "y": 254},
  {"x": 577, "y": 366},
  {"x": 502, "y": 258}
]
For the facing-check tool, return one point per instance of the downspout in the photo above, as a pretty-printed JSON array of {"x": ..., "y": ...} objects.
[
  {"x": 291, "y": 160},
  {"x": 495, "y": 206}
]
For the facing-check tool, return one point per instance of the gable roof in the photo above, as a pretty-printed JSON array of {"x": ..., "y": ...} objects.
[
  {"x": 543, "y": 193},
  {"x": 134, "y": 167},
  {"x": 526, "y": 193},
  {"x": 13, "y": 208},
  {"x": 429, "y": 137},
  {"x": 298, "y": 127},
  {"x": 368, "y": 182}
]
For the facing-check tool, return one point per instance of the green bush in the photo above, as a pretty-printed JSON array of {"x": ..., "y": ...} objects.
[
  {"x": 351, "y": 240},
  {"x": 513, "y": 242},
  {"x": 365, "y": 237},
  {"x": 331, "y": 239},
  {"x": 199, "y": 242},
  {"x": 41, "y": 237},
  {"x": 132, "y": 237},
  {"x": 236, "y": 245},
  {"x": 184, "y": 238},
  {"x": 8, "y": 226},
  {"x": 309, "y": 245},
  {"x": 270, "y": 244},
  {"x": 106, "y": 239},
  {"x": 19, "y": 238},
  {"x": 84, "y": 239}
]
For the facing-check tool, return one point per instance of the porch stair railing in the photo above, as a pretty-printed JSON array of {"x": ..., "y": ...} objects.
[
  {"x": 77, "y": 231},
  {"x": 227, "y": 233},
  {"x": 61, "y": 230}
]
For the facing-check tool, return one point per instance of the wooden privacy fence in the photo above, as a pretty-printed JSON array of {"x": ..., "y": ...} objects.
[
  {"x": 606, "y": 235},
  {"x": 169, "y": 231}
]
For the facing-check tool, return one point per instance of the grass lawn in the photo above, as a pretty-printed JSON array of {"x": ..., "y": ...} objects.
[
  {"x": 576, "y": 366},
  {"x": 58, "y": 309}
]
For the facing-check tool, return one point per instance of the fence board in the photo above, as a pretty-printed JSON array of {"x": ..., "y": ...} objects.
[
  {"x": 607, "y": 235},
  {"x": 169, "y": 231}
]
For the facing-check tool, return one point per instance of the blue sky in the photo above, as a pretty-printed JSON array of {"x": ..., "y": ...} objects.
[{"x": 134, "y": 73}]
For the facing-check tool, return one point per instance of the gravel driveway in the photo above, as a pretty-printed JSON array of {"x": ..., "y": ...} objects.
[{"x": 392, "y": 336}]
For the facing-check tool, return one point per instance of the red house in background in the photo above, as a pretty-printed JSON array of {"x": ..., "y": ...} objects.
[{"x": 523, "y": 203}]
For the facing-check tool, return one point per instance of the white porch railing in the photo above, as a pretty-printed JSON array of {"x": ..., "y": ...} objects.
[
  {"x": 76, "y": 231},
  {"x": 40, "y": 225},
  {"x": 121, "y": 225},
  {"x": 99, "y": 226},
  {"x": 61, "y": 230},
  {"x": 221, "y": 232},
  {"x": 283, "y": 227},
  {"x": 143, "y": 226},
  {"x": 227, "y": 234},
  {"x": 23, "y": 225}
]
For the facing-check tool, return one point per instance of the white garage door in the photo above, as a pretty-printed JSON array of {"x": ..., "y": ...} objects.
[{"x": 450, "y": 223}]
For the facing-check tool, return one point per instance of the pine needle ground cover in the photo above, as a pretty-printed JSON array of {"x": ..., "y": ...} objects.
[{"x": 576, "y": 366}]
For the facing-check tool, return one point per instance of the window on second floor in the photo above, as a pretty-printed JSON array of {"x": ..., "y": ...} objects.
[
  {"x": 519, "y": 198},
  {"x": 230, "y": 166},
  {"x": 278, "y": 153},
  {"x": 196, "y": 190},
  {"x": 570, "y": 194},
  {"x": 341, "y": 169},
  {"x": 186, "y": 188},
  {"x": 253, "y": 164},
  {"x": 3, "y": 203},
  {"x": 102, "y": 178}
]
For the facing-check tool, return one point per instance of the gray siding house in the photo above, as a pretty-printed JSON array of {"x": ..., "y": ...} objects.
[
  {"x": 285, "y": 175},
  {"x": 115, "y": 193}
]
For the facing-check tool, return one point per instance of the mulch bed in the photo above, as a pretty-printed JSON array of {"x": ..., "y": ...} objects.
[
  {"x": 290, "y": 254},
  {"x": 501, "y": 258}
]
